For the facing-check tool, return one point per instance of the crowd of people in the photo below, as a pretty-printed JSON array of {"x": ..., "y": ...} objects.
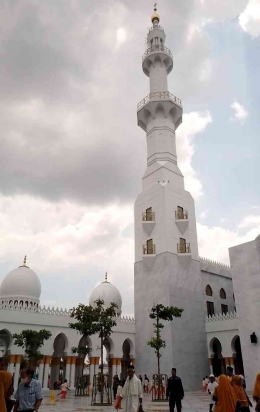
[{"x": 227, "y": 392}]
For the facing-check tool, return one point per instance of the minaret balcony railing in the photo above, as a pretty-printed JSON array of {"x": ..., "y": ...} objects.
[
  {"x": 149, "y": 250},
  {"x": 148, "y": 216},
  {"x": 157, "y": 47},
  {"x": 181, "y": 215},
  {"x": 158, "y": 96},
  {"x": 183, "y": 248},
  {"x": 158, "y": 27}
]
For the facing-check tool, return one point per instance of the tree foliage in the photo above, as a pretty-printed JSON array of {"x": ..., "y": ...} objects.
[
  {"x": 91, "y": 320},
  {"x": 160, "y": 313},
  {"x": 31, "y": 341}
]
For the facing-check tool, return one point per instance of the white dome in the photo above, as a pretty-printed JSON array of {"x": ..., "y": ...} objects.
[
  {"x": 108, "y": 293},
  {"x": 21, "y": 283}
]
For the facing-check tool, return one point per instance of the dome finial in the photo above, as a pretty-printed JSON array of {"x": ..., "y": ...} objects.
[
  {"x": 155, "y": 17},
  {"x": 24, "y": 261},
  {"x": 106, "y": 277}
]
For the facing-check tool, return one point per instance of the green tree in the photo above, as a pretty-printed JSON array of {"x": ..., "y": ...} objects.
[
  {"x": 160, "y": 313},
  {"x": 92, "y": 320},
  {"x": 31, "y": 341}
]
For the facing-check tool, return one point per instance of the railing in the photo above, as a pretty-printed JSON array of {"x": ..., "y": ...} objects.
[
  {"x": 155, "y": 28},
  {"x": 148, "y": 250},
  {"x": 158, "y": 96},
  {"x": 157, "y": 47},
  {"x": 183, "y": 248},
  {"x": 148, "y": 216},
  {"x": 181, "y": 214}
]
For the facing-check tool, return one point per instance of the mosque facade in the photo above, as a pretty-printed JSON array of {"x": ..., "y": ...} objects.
[{"x": 220, "y": 322}]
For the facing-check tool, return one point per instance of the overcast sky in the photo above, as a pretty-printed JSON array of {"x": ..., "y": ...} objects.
[{"x": 72, "y": 156}]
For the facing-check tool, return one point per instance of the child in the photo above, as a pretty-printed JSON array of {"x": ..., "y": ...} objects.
[{"x": 118, "y": 396}]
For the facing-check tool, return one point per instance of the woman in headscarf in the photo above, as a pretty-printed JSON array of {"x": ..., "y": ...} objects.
[
  {"x": 225, "y": 396},
  {"x": 256, "y": 393},
  {"x": 243, "y": 399}
]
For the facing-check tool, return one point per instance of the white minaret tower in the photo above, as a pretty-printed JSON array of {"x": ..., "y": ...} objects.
[{"x": 167, "y": 267}]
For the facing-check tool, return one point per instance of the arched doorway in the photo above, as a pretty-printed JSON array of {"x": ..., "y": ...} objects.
[
  {"x": 126, "y": 359},
  {"x": 82, "y": 363},
  {"x": 5, "y": 342},
  {"x": 217, "y": 362},
  {"x": 60, "y": 347},
  {"x": 238, "y": 361}
]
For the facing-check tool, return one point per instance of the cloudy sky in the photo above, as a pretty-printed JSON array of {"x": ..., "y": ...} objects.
[{"x": 72, "y": 156}]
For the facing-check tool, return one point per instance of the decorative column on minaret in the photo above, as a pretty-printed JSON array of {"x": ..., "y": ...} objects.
[{"x": 167, "y": 267}]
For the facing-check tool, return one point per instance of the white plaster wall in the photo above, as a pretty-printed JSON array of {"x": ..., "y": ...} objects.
[
  {"x": 16, "y": 322},
  {"x": 245, "y": 268},
  {"x": 169, "y": 283},
  {"x": 218, "y": 281}
]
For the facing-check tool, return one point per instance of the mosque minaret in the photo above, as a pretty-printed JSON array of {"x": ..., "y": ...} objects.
[{"x": 167, "y": 265}]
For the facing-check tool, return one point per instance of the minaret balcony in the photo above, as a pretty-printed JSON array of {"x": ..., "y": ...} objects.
[
  {"x": 158, "y": 96},
  {"x": 157, "y": 48},
  {"x": 148, "y": 222},
  {"x": 149, "y": 255},
  {"x": 183, "y": 248},
  {"x": 182, "y": 220}
]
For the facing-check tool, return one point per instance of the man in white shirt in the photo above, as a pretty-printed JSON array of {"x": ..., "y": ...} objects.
[
  {"x": 132, "y": 392},
  {"x": 211, "y": 389}
]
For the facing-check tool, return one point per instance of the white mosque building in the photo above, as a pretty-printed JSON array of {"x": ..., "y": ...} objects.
[{"x": 220, "y": 324}]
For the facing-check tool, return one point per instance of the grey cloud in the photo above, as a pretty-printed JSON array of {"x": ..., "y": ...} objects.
[{"x": 64, "y": 55}]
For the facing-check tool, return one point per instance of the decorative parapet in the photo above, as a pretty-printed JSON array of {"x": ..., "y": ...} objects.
[
  {"x": 214, "y": 263},
  {"x": 52, "y": 311},
  {"x": 221, "y": 316}
]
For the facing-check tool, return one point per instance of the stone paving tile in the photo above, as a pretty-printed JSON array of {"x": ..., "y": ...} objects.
[{"x": 193, "y": 402}]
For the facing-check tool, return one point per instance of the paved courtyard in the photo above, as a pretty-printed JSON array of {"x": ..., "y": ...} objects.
[{"x": 194, "y": 401}]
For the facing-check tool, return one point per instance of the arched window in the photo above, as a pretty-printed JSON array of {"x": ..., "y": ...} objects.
[
  {"x": 222, "y": 294},
  {"x": 208, "y": 291}
]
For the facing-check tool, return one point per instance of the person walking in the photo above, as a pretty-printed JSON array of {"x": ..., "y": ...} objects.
[
  {"x": 211, "y": 389},
  {"x": 224, "y": 396},
  {"x": 146, "y": 384},
  {"x": 243, "y": 399},
  {"x": 230, "y": 373},
  {"x": 5, "y": 384},
  {"x": 256, "y": 392},
  {"x": 175, "y": 391},
  {"x": 118, "y": 404},
  {"x": 132, "y": 392},
  {"x": 64, "y": 389},
  {"x": 29, "y": 394},
  {"x": 115, "y": 385},
  {"x": 8, "y": 401}
]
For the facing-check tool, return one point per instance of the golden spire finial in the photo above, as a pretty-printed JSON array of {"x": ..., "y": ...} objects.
[
  {"x": 24, "y": 261},
  {"x": 155, "y": 16},
  {"x": 106, "y": 277}
]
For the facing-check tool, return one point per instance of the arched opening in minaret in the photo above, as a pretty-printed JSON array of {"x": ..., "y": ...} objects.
[
  {"x": 217, "y": 362},
  {"x": 238, "y": 358}
]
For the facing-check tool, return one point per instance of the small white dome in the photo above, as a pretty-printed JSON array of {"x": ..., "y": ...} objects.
[
  {"x": 21, "y": 283},
  {"x": 108, "y": 293}
]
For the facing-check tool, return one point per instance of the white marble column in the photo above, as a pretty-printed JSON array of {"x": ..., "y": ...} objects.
[
  {"x": 41, "y": 368},
  {"x": 68, "y": 368},
  {"x": 91, "y": 372},
  {"x": 17, "y": 370},
  {"x": 118, "y": 368},
  {"x": 11, "y": 361},
  {"x": 47, "y": 360},
  {"x": 211, "y": 366},
  {"x": 72, "y": 371}
]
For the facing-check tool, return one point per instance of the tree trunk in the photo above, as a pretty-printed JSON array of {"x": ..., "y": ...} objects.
[
  {"x": 102, "y": 369},
  {"x": 158, "y": 363}
]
